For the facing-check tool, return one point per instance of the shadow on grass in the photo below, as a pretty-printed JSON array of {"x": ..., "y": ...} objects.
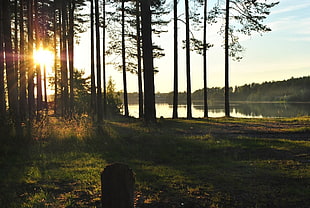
[
  {"x": 176, "y": 166},
  {"x": 178, "y": 163}
]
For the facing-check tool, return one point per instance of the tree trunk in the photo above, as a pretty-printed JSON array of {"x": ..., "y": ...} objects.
[
  {"x": 2, "y": 91},
  {"x": 64, "y": 61},
  {"x": 38, "y": 67},
  {"x": 227, "y": 110},
  {"x": 139, "y": 59},
  {"x": 98, "y": 65},
  {"x": 22, "y": 66},
  {"x": 31, "y": 101},
  {"x": 176, "y": 82},
  {"x": 104, "y": 80},
  {"x": 205, "y": 87},
  {"x": 124, "y": 60},
  {"x": 92, "y": 59},
  {"x": 149, "y": 89},
  {"x": 71, "y": 53},
  {"x": 11, "y": 73},
  {"x": 188, "y": 64},
  {"x": 55, "y": 61}
]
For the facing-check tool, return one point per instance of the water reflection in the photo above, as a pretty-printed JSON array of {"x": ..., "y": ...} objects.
[{"x": 237, "y": 109}]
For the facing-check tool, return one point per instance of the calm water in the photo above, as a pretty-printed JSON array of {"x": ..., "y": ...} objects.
[{"x": 236, "y": 110}]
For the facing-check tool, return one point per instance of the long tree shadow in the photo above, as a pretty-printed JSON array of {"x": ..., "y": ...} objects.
[
  {"x": 177, "y": 164},
  {"x": 176, "y": 167}
]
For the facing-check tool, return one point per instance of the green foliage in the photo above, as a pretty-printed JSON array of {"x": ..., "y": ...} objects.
[
  {"x": 246, "y": 17},
  {"x": 292, "y": 90},
  {"x": 114, "y": 102},
  {"x": 81, "y": 87}
]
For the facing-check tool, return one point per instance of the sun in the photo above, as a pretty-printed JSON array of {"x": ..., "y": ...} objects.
[{"x": 43, "y": 57}]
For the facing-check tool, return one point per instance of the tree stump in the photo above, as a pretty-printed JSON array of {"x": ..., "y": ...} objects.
[{"x": 117, "y": 186}]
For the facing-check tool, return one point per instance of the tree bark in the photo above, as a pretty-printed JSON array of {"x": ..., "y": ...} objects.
[
  {"x": 176, "y": 82},
  {"x": 227, "y": 110},
  {"x": 2, "y": 91},
  {"x": 38, "y": 67},
  {"x": 104, "y": 79},
  {"x": 205, "y": 87},
  {"x": 149, "y": 89},
  {"x": 55, "y": 60},
  {"x": 92, "y": 59},
  {"x": 124, "y": 61},
  {"x": 139, "y": 59},
  {"x": 98, "y": 65},
  {"x": 11, "y": 73},
  {"x": 31, "y": 101},
  {"x": 188, "y": 64},
  {"x": 64, "y": 60},
  {"x": 71, "y": 53},
  {"x": 22, "y": 66}
]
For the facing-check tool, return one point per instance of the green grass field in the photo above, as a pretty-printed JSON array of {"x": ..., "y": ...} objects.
[{"x": 216, "y": 162}]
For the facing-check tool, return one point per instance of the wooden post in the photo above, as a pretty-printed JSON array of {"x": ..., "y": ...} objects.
[{"x": 117, "y": 186}]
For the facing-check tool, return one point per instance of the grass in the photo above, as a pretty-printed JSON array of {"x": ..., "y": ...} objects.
[{"x": 218, "y": 162}]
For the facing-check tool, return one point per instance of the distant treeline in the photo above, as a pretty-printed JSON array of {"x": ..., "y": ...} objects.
[{"x": 294, "y": 89}]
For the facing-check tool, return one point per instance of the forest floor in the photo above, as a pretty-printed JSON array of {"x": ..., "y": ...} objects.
[{"x": 215, "y": 162}]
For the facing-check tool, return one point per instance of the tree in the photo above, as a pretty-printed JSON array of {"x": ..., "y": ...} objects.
[
  {"x": 11, "y": 72},
  {"x": 205, "y": 87},
  {"x": 71, "y": 52},
  {"x": 114, "y": 103},
  {"x": 188, "y": 62},
  {"x": 139, "y": 66},
  {"x": 103, "y": 58},
  {"x": 2, "y": 89},
  {"x": 175, "y": 60},
  {"x": 249, "y": 15},
  {"x": 124, "y": 60},
  {"x": 22, "y": 66},
  {"x": 38, "y": 67},
  {"x": 149, "y": 89},
  {"x": 227, "y": 109},
  {"x": 31, "y": 101},
  {"x": 92, "y": 58},
  {"x": 98, "y": 64}
]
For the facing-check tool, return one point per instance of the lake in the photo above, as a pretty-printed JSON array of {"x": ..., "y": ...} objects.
[{"x": 237, "y": 109}]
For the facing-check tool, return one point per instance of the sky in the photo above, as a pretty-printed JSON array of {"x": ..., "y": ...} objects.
[{"x": 278, "y": 55}]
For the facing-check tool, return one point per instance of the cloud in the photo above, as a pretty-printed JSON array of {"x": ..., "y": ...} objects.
[{"x": 290, "y": 8}]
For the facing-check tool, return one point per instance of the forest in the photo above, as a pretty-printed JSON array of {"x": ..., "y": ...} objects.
[
  {"x": 118, "y": 28},
  {"x": 54, "y": 144},
  {"x": 291, "y": 90}
]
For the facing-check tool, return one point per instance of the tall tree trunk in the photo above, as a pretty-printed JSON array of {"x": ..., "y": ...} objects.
[
  {"x": 38, "y": 67},
  {"x": 16, "y": 46},
  {"x": 227, "y": 110},
  {"x": 149, "y": 89},
  {"x": 55, "y": 61},
  {"x": 2, "y": 91},
  {"x": 138, "y": 29},
  {"x": 11, "y": 73},
  {"x": 71, "y": 53},
  {"x": 176, "y": 82},
  {"x": 124, "y": 60},
  {"x": 22, "y": 66},
  {"x": 98, "y": 65},
  {"x": 31, "y": 101},
  {"x": 92, "y": 59},
  {"x": 104, "y": 80},
  {"x": 188, "y": 64},
  {"x": 64, "y": 60},
  {"x": 205, "y": 87}
]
